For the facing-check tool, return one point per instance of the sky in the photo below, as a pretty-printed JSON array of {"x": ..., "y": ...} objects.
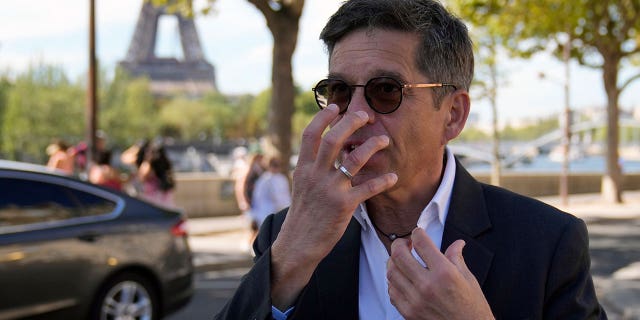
[{"x": 237, "y": 42}]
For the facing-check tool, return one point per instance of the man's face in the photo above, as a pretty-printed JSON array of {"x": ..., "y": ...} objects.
[{"x": 416, "y": 130}]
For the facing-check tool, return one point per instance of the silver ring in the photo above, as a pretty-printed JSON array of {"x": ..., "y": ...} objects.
[{"x": 345, "y": 171}]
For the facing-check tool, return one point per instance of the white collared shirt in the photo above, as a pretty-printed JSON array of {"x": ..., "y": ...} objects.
[{"x": 374, "y": 301}]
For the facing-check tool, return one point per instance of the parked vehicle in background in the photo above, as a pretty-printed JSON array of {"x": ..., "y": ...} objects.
[{"x": 73, "y": 250}]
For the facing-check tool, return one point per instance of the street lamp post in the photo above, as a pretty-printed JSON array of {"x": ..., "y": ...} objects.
[
  {"x": 566, "y": 139},
  {"x": 90, "y": 133},
  {"x": 566, "y": 127}
]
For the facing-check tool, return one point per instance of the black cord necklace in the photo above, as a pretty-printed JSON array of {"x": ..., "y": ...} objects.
[{"x": 391, "y": 236}]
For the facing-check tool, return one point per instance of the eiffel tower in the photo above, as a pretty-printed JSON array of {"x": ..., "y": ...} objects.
[{"x": 193, "y": 75}]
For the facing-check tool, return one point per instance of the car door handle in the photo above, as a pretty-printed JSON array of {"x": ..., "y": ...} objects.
[{"x": 88, "y": 237}]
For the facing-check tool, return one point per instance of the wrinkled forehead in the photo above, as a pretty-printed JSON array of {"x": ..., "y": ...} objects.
[{"x": 366, "y": 53}]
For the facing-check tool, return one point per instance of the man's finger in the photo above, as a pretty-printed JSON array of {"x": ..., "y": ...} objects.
[
  {"x": 454, "y": 254},
  {"x": 332, "y": 142},
  {"x": 372, "y": 187},
  {"x": 313, "y": 132},
  {"x": 397, "y": 279},
  {"x": 426, "y": 249},
  {"x": 405, "y": 262},
  {"x": 361, "y": 154}
]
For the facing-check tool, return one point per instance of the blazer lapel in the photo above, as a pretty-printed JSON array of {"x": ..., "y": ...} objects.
[{"x": 468, "y": 219}]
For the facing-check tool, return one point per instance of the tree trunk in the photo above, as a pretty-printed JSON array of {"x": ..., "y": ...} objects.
[
  {"x": 493, "y": 97},
  {"x": 282, "y": 19},
  {"x": 285, "y": 33},
  {"x": 612, "y": 179}
]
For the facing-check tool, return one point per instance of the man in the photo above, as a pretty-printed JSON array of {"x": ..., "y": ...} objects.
[{"x": 348, "y": 246}]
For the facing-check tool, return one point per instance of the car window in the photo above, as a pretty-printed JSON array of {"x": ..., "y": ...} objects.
[{"x": 29, "y": 202}]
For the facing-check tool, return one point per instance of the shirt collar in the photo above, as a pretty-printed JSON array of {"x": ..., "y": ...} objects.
[{"x": 440, "y": 201}]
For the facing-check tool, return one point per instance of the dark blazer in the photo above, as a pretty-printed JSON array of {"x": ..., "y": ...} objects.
[{"x": 531, "y": 260}]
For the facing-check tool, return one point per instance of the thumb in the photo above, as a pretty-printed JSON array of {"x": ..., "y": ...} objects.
[{"x": 454, "y": 255}]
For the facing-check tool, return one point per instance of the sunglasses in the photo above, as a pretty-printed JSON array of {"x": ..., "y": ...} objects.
[{"x": 383, "y": 94}]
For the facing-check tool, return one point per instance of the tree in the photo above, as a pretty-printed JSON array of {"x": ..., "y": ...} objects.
[
  {"x": 41, "y": 105},
  {"x": 128, "y": 110},
  {"x": 5, "y": 86},
  {"x": 258, "y": 113},
  {"x": 282, "y": 17},
  {"x": 602, "y": 34},
  {"x": 487, "y": 76},
  {"x": 306, "y": 109}
]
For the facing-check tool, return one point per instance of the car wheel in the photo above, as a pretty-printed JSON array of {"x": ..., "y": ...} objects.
[{"x": 127, "y": 296}]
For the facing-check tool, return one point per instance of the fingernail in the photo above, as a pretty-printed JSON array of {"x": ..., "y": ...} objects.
[
  {"x": 385, "y": 139},
  {"x": 363, "y": 115},
  {"x": 333, "y": 107},
  {"x": 394, "y": 178}
]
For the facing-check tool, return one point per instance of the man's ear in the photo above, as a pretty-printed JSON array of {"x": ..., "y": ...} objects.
[{"x": 459, "y": 106}]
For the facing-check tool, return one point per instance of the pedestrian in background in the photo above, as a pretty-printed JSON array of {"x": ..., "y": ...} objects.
[
  {"x": 271, "y": 193},
  {"x": 60, "y": 157},
  {"x": 255, "y": 169},
  {"x": 156, "y": 175},
  {"x": 239, "y": 171},
  {"x": 133, "y": 157},
  {"x": 103, "y": 173}
]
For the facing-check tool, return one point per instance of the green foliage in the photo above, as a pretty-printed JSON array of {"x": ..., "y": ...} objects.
[
  {"x": 5, "y": 86},
  {"x": 243, "y": 122},
  {"x": 601, "y": 33},
  {"x": 190, "y": 119},
  {"x": 41, "y": 105},
  {"x": 257, "y": 116},
  {"x": 530, "y": 132},
  {"x": 470, "y": 134},
  {"x": 630, "y": 135},
  {"x": 128, "y": 111},
  {"x": 184, "y": 7},
  {"x": 305, "y": 109},
  {"x": 600, "y": 134}
]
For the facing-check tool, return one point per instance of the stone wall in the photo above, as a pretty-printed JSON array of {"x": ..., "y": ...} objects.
[
  {"x": 539, "y": 185},
  {"x": 207, "y": 194}
]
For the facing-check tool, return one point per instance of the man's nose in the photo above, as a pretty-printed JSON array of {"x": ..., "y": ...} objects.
[{"x": 359, "y": 103}]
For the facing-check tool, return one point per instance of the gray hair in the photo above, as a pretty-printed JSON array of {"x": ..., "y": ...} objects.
[{"x": 445, "y": 53}]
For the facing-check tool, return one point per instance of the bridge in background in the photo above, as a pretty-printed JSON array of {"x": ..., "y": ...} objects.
[{"x": 582, "y": 135}]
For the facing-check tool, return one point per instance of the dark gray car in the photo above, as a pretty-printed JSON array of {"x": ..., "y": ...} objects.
[{"x": 73, "y": 250}]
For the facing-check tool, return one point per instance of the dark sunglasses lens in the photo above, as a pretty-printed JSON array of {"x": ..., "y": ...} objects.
[
  {"x": 330, "y": 91},
  {"x": 383, "y": 94}
]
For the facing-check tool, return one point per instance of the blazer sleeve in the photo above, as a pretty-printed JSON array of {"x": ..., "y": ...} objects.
[
  {"x": 252, "y": 299},
  {"x": 570, "y": 291}
]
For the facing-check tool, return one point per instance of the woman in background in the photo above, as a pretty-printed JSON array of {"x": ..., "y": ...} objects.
[
  {"x": 103, "y": 173},
  {"x": 133, "y": 158},
  {"x": 156, "y": 176},
  {"x": 59, "y": 157}
]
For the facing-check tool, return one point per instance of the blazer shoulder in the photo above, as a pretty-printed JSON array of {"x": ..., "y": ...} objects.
[{"x": 507, "y": 203}]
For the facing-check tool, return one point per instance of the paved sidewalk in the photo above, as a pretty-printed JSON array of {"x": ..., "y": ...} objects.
[
  {"x": 591, "y": 206},
  {"x": 224, "y": 242},
  {"x": 220, "y": 243},
  {"x": 216, "y": 225},
  {"x": 585, "y": 206}
]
